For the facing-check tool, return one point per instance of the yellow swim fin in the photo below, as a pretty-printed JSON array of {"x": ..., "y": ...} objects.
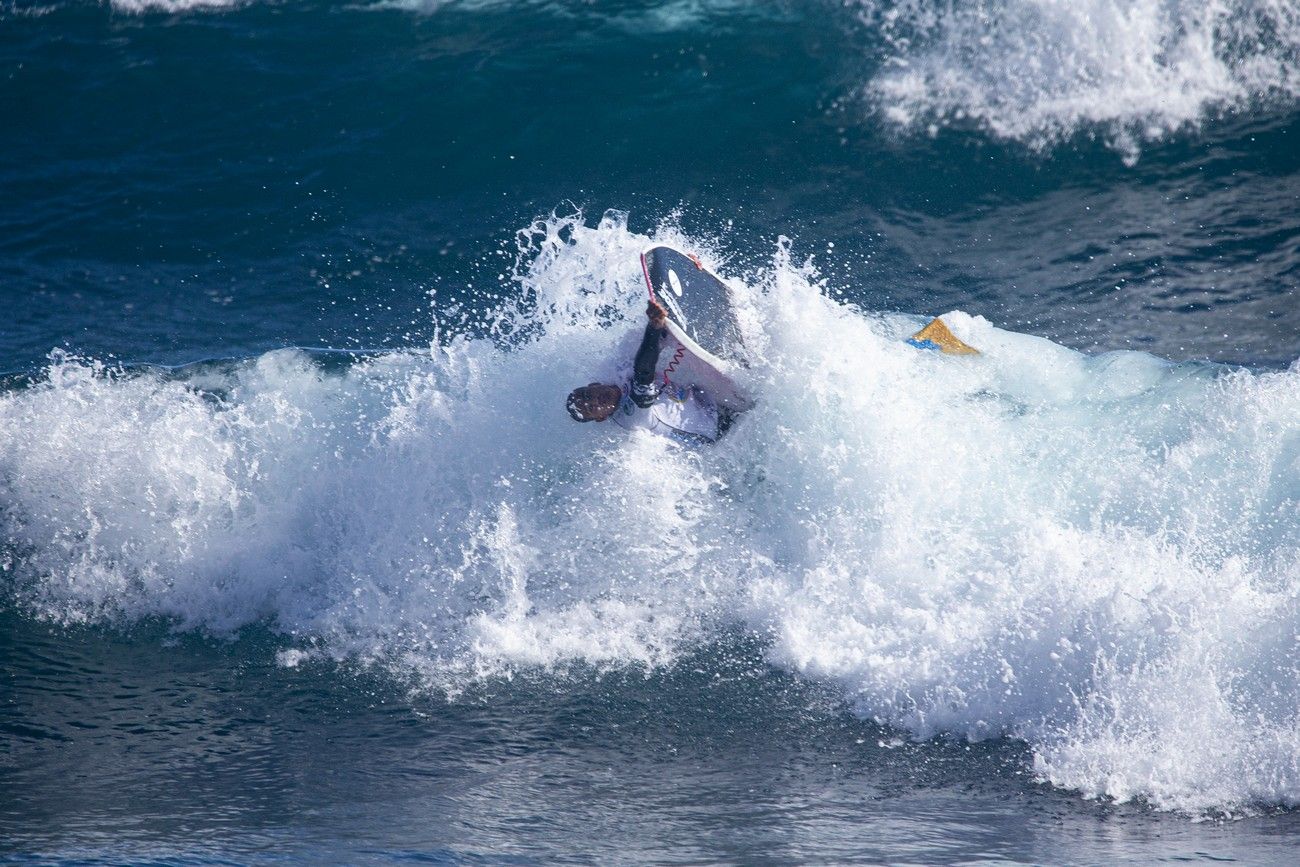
[{"x": 937, "y": 336}]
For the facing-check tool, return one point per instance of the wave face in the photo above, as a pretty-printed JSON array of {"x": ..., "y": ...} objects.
[
  {"x": 1097, "y": 555},
  {"x": 1042, "y": 71}
]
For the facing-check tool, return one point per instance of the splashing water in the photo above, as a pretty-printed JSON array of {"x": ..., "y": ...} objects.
[
  {"x": 1042, "y": 71},
  {"x": 174, "y": 7},
  {"x": 1094, "y": 554}
]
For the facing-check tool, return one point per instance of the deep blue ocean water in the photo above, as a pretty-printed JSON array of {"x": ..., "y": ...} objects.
[{"x": 302, "y": 559}]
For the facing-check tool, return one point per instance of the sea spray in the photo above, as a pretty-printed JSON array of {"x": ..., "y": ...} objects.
[{"x": 1042, "y": 71}]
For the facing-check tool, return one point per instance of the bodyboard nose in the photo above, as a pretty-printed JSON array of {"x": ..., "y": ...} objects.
[{"x": 697, "y": 301}]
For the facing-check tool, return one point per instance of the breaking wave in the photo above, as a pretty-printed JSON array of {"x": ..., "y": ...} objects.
[
  {"x": 1043, "y": 71},
  {"x": 1097, "y": 555}
]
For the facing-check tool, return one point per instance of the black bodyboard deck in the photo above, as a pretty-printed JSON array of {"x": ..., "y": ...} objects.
[{"x": 702, "y": 319}]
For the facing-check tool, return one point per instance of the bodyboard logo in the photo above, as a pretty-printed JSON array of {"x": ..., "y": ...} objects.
[{"x": 674, "y": 283}]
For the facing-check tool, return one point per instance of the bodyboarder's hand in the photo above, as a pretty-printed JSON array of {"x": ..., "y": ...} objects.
[{"x": 657, "y": 315}]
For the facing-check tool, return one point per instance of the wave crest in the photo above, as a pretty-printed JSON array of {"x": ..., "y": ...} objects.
[
  {"x": 1042, "y": 71},
  {"x": 1094, "y": 554}
]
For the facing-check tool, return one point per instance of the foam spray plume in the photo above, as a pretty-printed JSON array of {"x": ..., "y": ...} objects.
[
  {"x": 1096, "y": 555},
  {"x": 1043, "y": 71}
]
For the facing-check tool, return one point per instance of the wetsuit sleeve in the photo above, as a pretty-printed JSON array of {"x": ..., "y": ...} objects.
[{"x": 644, "y": 389}]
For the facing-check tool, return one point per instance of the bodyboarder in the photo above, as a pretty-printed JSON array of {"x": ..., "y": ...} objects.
[{"x": 684, "y": 413}]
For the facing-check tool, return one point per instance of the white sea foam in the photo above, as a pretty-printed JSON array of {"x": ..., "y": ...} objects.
[
  {"x": 1040, "y": 71},
  {"x": 1097, "y": 555},
  {"x": 175, "y": 6}
]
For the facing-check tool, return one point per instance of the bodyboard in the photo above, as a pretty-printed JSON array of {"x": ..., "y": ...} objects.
[{"x": 705, "y": 345}]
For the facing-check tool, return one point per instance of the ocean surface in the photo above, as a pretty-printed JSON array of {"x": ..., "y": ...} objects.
[{"x": 301, "y": 559}]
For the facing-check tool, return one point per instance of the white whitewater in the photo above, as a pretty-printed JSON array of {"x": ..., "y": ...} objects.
[
  {"x": 1097, "y": 555},
  {"x": 1041, "y": 71}
]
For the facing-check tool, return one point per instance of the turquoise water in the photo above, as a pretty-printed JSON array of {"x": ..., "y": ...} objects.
[{"x": 303, "y": 559}]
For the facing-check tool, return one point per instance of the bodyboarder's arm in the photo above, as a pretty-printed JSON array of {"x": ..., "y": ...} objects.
[{"x": 644, "y": 389}]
